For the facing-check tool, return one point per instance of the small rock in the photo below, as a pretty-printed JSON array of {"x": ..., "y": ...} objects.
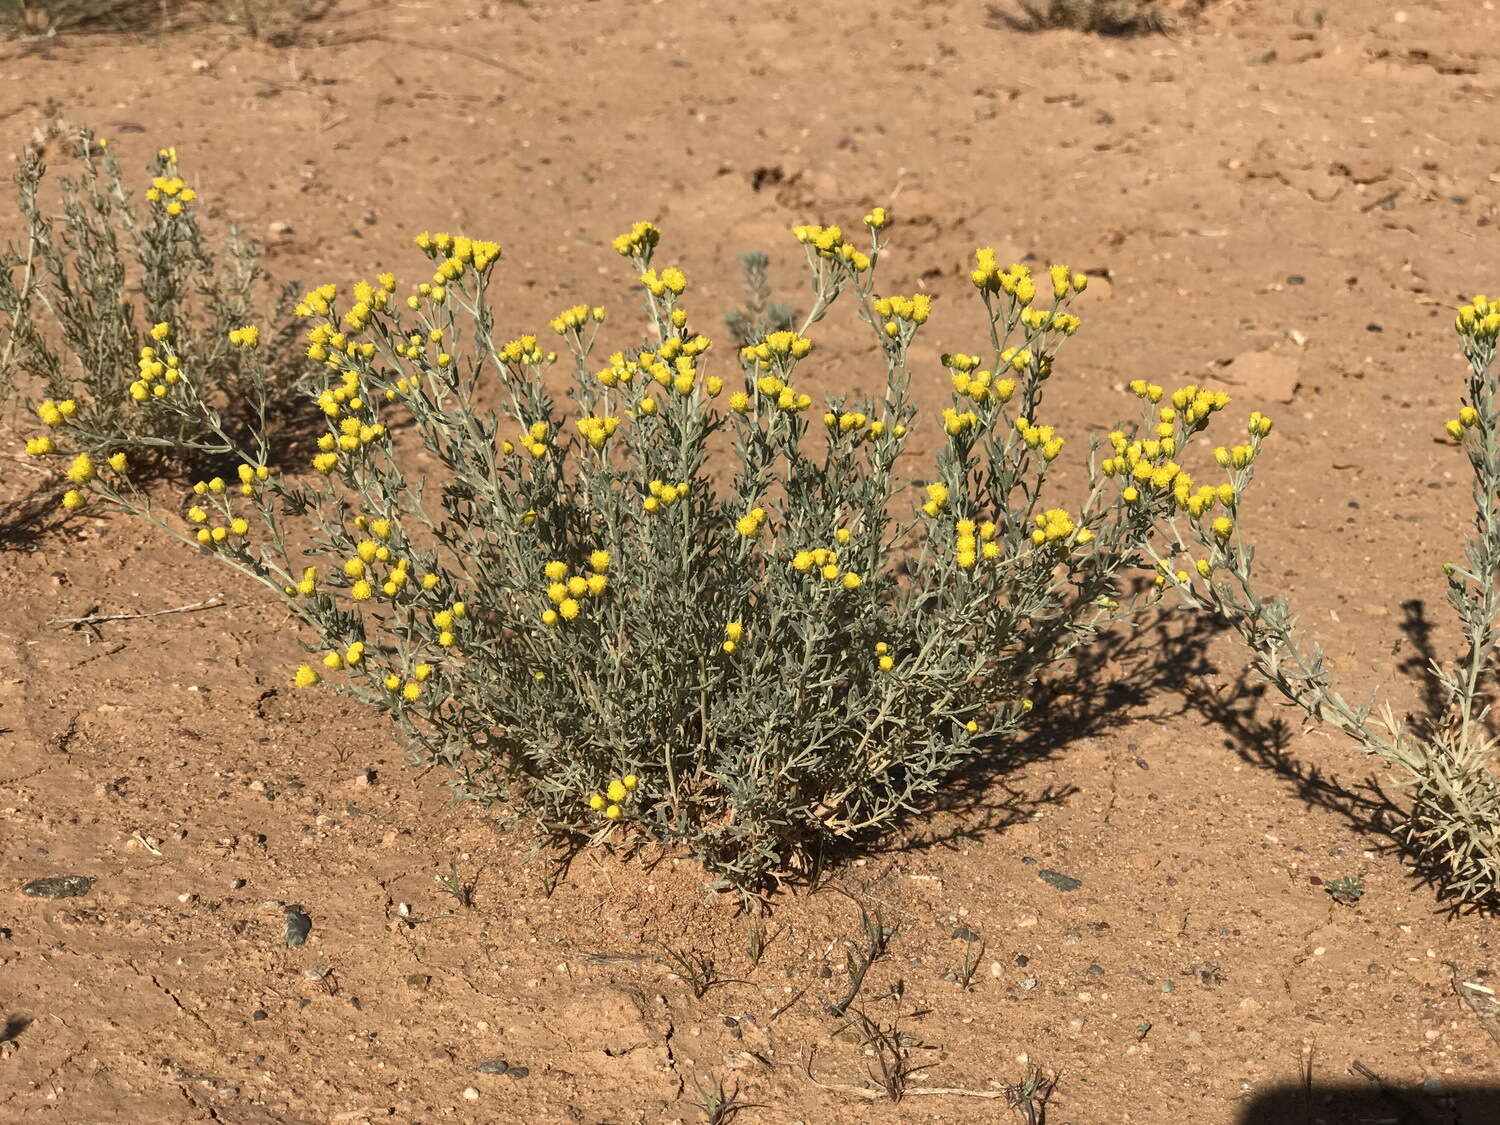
[
  {"x": 1059, "y": 880},
  {"x": 364, "y": 779},
  {"x": 471, "y": 1094},
  {"x": 59, "y": 886},
  {"x": 440, "y": 1054},
  {"x": 1433, "y": 1086},
  {"x": 1168, "y": 986},
  {"x": 493, "y": 1066},
  {"x": 1028, "y": 984},
  {"x": 279, "y": 229},
  {"x": 316, "y": 973},
  {"x": 419, "y": 981},
  {"x": 996, "y": 968},
  {"x": 298, "y": 926},
  {"x": 260, "y": 1014},
  {"x": 187, "y": 898},
  {"x": 1096, "y": 970}
]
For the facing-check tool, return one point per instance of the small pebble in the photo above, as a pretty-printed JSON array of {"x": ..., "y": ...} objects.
[{"x": 471, "y": 1094}]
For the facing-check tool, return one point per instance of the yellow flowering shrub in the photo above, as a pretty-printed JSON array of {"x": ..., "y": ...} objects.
[
  {"x": 88, "y": 303},
  {"x": 1453, "y": 817},
  {"x": 569, "y": 614}
]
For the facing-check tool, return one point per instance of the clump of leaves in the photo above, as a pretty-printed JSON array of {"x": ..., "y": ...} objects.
[{"x": 1348, "y": 890}]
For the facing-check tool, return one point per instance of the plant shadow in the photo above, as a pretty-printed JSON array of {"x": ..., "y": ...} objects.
[
  {"x": 1122, "y": 677},
  {"x": 1371, "y": 807}
]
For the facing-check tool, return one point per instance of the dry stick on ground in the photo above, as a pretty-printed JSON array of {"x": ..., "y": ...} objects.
[
  {"x": 96, "y": 618},
  {"x": 871, "y": 1094}
]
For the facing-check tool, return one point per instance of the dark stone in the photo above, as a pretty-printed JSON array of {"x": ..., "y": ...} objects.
[
  {"x": 1059, "y": 880},
  {"x": 59, "y": 886},
  {"x": 493, "y": 1066},
  {"x": 260, "y": 1014}
]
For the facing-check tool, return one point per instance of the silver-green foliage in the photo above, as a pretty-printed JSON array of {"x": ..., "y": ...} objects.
[
  {"x": 782, "y": 653},
  {"x": 94, "y": 273}
]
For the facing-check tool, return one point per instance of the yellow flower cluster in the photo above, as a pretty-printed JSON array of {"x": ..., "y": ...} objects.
[
  {"x": 250, "y": 476},
  {"x": 1260, "y": 425},
  {"x": 829, "y": 243},
  {"x": 56, "y": 413},
  {"x": 566, "y": 590},
  {"x": 597, "y": 430},
  {"x": 937, "y": 498},
  {"x": 854, "y": 422},
  {"x": 1236, "y": 457},
  {"x": 670, "y": 280},
  {"x": 980, "y": 386},
  {"x": 620, "y": 371},
  {"x": 970, "y": 541},
  {"x": 153, "y": 376},
  {"x": 885, "y": 659},
  {"x": 785, "y": 398},
  {"x": 533, "y": 440},
  {"x": 1039, "y": 437},
  {"x": 37, "y": 446},
  {"x": 247, "y": 337},
  {"x": 988, "y": 277},
  {"x": 733, "y": 633},
  {"x": 639, "y": 242},
  {"x": 825, "y": 562},
  {"x": 523, "y": 350},
  {"x": 614, "y": 795},
  {"x": 912, "y": 310},
  {"x": 353, "y": 435},
  {"x": 956, "y": 423},
  {"x": 1055, "y": 525},
  {"x": 457, "y": 254},
  {"x": 171, "y": 192},
  {"x": 663, "y": 495},
  {"x": 1041, "y": 320},
  {"x": 1479, "y": 319},
  {"x": 81, "y": 471},
  {"x": 778, "y": 350},
  {"x": 1151, "y": 392},
  {"x": 1065, "y": 282},
  {"x": 751, "y": 522},
  {"x": 367, "y": 300},
  {"x": 878, "y": 219},
  {"x": 318, "y": 302},
  {"x": 1467, "y": 419},
  {"x": 573, "y": 320},
  {"x": 411, "y": 687}
]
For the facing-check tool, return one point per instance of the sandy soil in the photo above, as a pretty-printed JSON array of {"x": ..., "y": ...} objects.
[{"x": 1315, "y": 184}]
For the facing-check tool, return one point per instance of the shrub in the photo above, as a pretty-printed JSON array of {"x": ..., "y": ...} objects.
[
  {"x": 77, "y": 296},
  {"x": 1100, "y": 17},
  {"x": 574, "y": 617},
  {"x": 1453, "y": 821}
]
